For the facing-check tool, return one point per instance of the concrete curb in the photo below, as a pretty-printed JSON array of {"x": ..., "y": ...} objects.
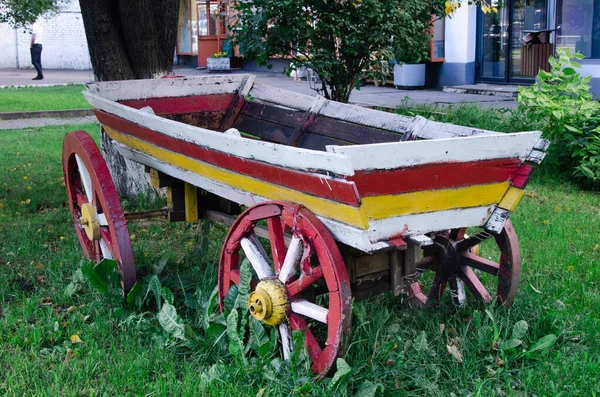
[{"x": 55, "y": 114}]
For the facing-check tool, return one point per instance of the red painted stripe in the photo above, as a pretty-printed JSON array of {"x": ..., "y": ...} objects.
[
  {"x": 337, "y": 190},
  {"x": 434, "y": 176},
  {"x": 522, "y": 178},
  {"x": 188, "y": 104}
]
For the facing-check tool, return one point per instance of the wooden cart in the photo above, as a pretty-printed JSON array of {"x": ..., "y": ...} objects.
[{"x": 352, "y": 201}]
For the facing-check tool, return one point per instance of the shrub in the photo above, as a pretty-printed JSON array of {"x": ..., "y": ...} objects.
[{"x": 562, "y": 103}]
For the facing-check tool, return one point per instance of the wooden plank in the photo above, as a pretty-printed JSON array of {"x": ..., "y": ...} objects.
[
  {"x": 536, "y": 157},
  {"x": 409, "y": 225},
  {"x": 396, "y": 271},
  {"x": 191, "y": 202},
  {"x": 342, "y": 212},
  {"x": 237, "y": 103},
  {"x": 382, "y": 207},
  {"x": 283, "y": 97},
  {"x": 286, "y": 117},
  {"x": 307, "y": 120},
  {"x": 522, "y": 178},
  {"x": 511, "y": 198},
  {"x": 385, "y": 156},
  {"x": 496, "y": 221},
  {"x": 179, "y": 105},
  {"x": 434, "y": 176},
  {"x": 270, "y": 153},
  {"x": 369, "y": 264},
  {"x": 261, "y": 128},
  {"x": 318, "y": 142},
  {"x": 318, "y": 185},
  {"x": 166, "y": 88},
  {"x": 350, "y": 132}
]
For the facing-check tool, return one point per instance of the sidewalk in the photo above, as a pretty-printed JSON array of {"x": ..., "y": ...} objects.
[{"x": 367, "y": 95}]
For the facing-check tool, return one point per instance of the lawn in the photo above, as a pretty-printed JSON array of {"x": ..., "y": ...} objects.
[
  {"x": 29, "y": 99},
  {"x": 58, "y": 343}
]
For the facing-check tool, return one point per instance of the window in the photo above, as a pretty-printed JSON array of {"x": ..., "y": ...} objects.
[
  {"x": 437, "y": 46},
  {"x": 578, "y": 26}
]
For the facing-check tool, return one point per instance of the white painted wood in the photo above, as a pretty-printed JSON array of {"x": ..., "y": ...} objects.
[
  {"x": 259, "y": 261},
  {"x": 542, "y": 145},
  {"x": 416, "y": 224},
  {"x": 102, "y": 220},
  {"x": 286, "y": 340},
  {"x": 105, "y": 250},
  {"x": 246, "y": 85},
  {"x": 310, "y": 310},
  {"x": 437, "y": 130},
  {"x": 282, "y": 97},
  {"x": 271, "y": 153},
  {"x": 352, "y": 236},
  {"x": 496, "y": 222},
  {"x": 536, "y": 157},
  {"x": 406, "y": 154},
  {"x": 86, "y": 180},
  {"x": 292, "y": 257},
  {"x": 459, "y": 294},
  {"x": 419, "y": 240},
  {"x": 167, "y": 88}
]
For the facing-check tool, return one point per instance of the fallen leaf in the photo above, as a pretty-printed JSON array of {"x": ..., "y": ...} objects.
[
  {"x": 70, "y": 354},
  {"x": 453, "y": 350},
  {"x": 535, "y": 289},
  {"x": 70, "y": 309},
  {"x": 442, "y": 328},
  {"x": 75, "y": 339},
  {"x": 498, "y": 362},
  {"x": 260, "y": 392}
]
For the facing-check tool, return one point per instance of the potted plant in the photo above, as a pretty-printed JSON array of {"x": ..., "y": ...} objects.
[
  {"x": 410, "y": 45},
  {"x": 218, "y": 61}
]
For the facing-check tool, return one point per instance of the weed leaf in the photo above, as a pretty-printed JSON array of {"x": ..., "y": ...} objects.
[
  {"x": 170, "y": 321},
  {"x": 420, "y": 343},
  {"x": 543, "y": 343},
  {"x": 154, "y": 286},
  {"x": 134, "y": 296},
  {"x": 167, "y": 295},
  {"x": 94, "y": 278},
  {"x": 342, "y": 374},
  {"x": 258, "y": 335},
  {"x": 230, "y": 299},
  {"x": 236, "y": 346},
  {"x": 369, "y": 389},
  {"x": 520, "y": 329},
  {"x": 510, "y": 344},
  {"x": 244, "y": 287},
  {"x": 159, "y": 266}
]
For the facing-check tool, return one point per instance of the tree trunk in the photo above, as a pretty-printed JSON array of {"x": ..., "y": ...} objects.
[{"x": 129, "y": 39}]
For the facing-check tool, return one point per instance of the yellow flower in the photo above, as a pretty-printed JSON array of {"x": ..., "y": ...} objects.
[
  {"x": 495, "y": 10},
  {"x": 25, "y": 177},
  {"x": 571, "y": 268},
  {"x": 450, "y": 7},
  {"x": 25, "y": 202},
  {"x": 485, "y": 9},
  {"x": 62, "y": 237}
]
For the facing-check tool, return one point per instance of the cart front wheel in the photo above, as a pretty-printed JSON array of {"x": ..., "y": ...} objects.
[
  {"x": 300, "y": 281},
  {"x": 459, "y": 263},
  {"x": 97, "y": 214}
]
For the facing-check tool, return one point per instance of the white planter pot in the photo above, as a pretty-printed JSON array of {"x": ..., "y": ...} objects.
[
  {"x": 406, "y": 75},
  {"x": 217, "y": 63}
]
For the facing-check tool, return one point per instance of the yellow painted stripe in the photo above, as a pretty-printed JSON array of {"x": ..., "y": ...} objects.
[
  {"x": 381, "y": 207},
  {"x": 191, "y": 202},
  {"x": 329, "y": 209},
  {"x": 511, "y": 198}
]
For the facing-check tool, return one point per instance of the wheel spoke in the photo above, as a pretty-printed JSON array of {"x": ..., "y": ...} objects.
[
  {"x": 310, "y": 310},
  {"x": 291, "y": 259},
  {"x": 472, "y": 241},
  {"x": 471, "y": 280},
  {"x": 257, "y": 256},
  {"x": 304, "y": 281},
  {"x": 278, "y": 248},
  {"x": 457, "y": 291},
  {"x": 81, "y": 199},
  {"x": 286, "y": 340},
  {"x": 86, "y": 180},
  {"x": 477, "y": 262},
  {"x": 435, "y": 293},
  {"x": 106, "y": 244},
  {"x": 102, "y": 220}
]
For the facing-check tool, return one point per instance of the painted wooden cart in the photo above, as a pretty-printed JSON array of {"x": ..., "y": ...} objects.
[{"x": 342, "y": 201}]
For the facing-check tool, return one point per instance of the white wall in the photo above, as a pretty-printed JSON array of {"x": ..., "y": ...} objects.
[
  {"x": 64, "y": 43},
  {"x": 461, "y": 35}
]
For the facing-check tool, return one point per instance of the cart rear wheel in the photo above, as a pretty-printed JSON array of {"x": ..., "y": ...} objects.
[
  {"x": 459, "y": 266},
  {"x": 301, "y": 284},
  {"x": 99, "y": 220}
]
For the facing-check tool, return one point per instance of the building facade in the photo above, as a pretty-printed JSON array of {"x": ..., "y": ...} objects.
[
  {"x": 489, "y": 47},
  {"x": 63, "y": 40}
]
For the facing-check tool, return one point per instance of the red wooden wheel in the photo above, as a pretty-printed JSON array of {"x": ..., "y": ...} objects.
[
  {"x": 308, "y": 273},
  {"x": 99, "y": 220},
  {"x": 456, "y": 265}
]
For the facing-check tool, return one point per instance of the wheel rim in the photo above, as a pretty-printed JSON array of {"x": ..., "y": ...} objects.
[
  {"x": 458, "y": 267},
  {"x": 88, "y": 181},
  {"x": 311, "y": 259}
]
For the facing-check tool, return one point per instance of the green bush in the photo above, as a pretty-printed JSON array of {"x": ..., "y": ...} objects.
[{"x": 562, "y": 104}]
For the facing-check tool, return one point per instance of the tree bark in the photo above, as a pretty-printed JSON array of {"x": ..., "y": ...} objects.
[{"x": 129, "y": 39}]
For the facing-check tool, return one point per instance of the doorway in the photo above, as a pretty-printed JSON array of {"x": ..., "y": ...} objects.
[{"x": 499, "y": 39}]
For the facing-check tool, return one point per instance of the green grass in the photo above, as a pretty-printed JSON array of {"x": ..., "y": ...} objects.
[
  {"x": 127, "y": 353},
  {"x": 29, "y": 99}
]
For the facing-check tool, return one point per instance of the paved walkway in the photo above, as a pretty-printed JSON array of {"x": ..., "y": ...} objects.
[{"x": 367, "y": 95}]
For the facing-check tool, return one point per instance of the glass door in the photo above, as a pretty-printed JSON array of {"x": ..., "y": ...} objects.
[{"x": 500, "y": 38}]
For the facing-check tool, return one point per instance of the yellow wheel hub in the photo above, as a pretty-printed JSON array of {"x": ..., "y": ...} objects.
[
  {"x": 269, "y": 302},
  {"x": 89, "y": 221}
]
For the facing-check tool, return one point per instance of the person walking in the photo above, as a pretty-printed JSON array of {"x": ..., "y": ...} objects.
[{"x": 36, "y": 49}]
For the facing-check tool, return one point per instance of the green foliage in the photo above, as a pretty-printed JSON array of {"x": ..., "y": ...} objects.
[
  {"x": 563, "y": 106},
  {"x": 412, "y": 32},
  {"x": 18, "y": 12},
  {"x": 30, "y": 99},
  {"x": 337, "y": 39}
]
